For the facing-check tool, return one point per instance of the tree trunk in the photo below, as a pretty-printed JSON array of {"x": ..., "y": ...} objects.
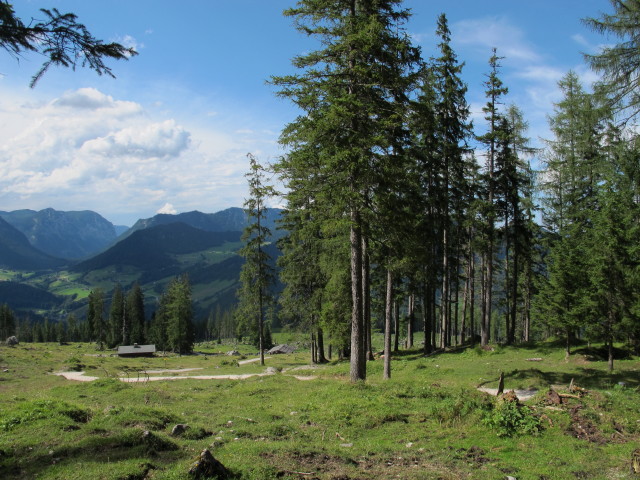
[
  {"x": 314, "y": 356},
  {"x": 366, "y": 294},
  {"x": 396, "y": 326},
  {"x": 456, "y": 296},
  {"x": 507, "y": 283},
  {"x": 387, "y": 326},
  {"x": 527, "y": 303},
  {"x": 487, "y": 288},
  {"x": 358, "y": 367},
  {"x": 472, "y": 295},
  {"x": 514, "y": 292},
  {"x": 444, "y": 297},
  {"x": 320, "y": 350},
  {"x": 411, "y": 320},
  {"x": 426, "y": 321}
]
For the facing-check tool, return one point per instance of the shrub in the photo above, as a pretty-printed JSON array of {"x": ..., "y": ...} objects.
[{"x": 509, "y": 419}]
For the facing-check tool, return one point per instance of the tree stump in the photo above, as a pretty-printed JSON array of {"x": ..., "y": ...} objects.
[{"x": 553, "y": 398}]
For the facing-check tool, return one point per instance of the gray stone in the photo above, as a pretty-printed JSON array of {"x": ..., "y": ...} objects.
[
  {"x": 208, "y": 467},
  {"x": 179, "y": 429},
  {"x": 13, "y": 340}
]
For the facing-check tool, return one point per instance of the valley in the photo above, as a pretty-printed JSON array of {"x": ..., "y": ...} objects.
[{"x": 151, "y": 253}]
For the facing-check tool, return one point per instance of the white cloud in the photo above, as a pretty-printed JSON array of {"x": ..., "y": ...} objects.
[
  {"x": 488, "y": 32},
  {"x": 168, "y": 209},
  {"x": 92, "y": 99},
  {"x": 163, "y": 141},
  {"x": 87, "y": 150},
  {"x": 130, "y": 42}
]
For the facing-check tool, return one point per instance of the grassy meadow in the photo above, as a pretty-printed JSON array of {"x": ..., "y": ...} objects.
[{"x": 309, "y": 422}]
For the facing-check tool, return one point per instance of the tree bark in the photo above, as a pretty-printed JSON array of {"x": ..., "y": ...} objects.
[
  {"x": 358, "y": 367},
  {"x": 411, "y": 320},
  {"x": 320, "y": 349},
  {"x": 366, "y": 294},
  {"x": 396, "y": 326},
  {"x": 387, "y": 326}
]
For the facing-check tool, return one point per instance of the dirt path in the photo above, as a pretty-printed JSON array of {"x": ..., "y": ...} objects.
[
  {"x": 78, "y": 376},
  {"x": 523, "y": 395},
  {"x": 81, "y": 377},
  {"x": 251, "y": 360}
]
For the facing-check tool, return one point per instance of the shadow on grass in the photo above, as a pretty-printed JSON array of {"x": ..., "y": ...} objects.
[
  {"x": 583, "y": 376},
  {"x": 98, "y": 448}
]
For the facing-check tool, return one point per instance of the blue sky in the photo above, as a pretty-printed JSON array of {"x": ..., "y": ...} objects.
[{"x": 171, "y": 133}]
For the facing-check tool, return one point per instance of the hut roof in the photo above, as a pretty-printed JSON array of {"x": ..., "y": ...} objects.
[
  {"x": 281, "y": 349},
  {"x": 136, "y": 349}
]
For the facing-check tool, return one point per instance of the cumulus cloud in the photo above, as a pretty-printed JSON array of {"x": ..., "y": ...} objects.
[
  {"x": 168, "y": 209},
  {"x": 87, "y": 150},
  {"x": 163, "y": 140},
  {"x": 92, "y": 99}
]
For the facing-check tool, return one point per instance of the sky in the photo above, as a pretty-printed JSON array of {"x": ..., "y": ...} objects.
[{"x": 172, "y": 132}]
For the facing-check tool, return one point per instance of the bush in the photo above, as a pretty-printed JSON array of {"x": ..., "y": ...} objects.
[{"x": 510, "y": 419}]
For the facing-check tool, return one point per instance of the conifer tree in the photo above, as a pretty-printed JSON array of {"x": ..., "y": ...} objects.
[
  {"x": 7, "y": 322},
  {"x": 116, "y": 317},
  {"x": 135, "y": 317},
  {"x": 60, "y": 38},
  {"x": 572, "y": 177},
  {"x": 256, "y": 276},
  {"x": 523, "y": 225},
  {"x": 348, "y": 91},
  {"x": 494, "y": 92},
  {"x": 302, "y": 273},
  {"x": 95, "y": 317},
  {"x": 452, "y": 132},
  {"x": 620, "y": 63},
  {"x": 178, "y": 312}
]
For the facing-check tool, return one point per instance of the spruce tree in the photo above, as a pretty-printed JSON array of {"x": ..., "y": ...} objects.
[
  {"x": 95, "y": 318},
  {"x": 256, "y": 276},
  {"x": 178, "y": 313},
  {"x": 571, "y": 180},
  {"x": 7, "y": 322},
  {"x": 135, "y": 317},
  {"x": 116, "y": 317},
  {"x": 348, "y": 91},
  {"x": 452, "y": 132},
  {"x": 619, "y": 64},
  {"x": 60, "y": 39},
  {"x": 494, "y": 92}
]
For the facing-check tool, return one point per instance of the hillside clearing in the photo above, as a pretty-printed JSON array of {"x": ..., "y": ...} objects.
[{"x": 427, "y": 422}]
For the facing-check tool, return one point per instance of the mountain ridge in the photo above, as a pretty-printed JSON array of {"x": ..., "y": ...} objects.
[{"x": 71, "y": 235}]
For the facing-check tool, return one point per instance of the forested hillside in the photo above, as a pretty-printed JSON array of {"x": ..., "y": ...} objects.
[
  {"x": 403, "y": 214},
  {"x": 17, "y": 253},
  {"x": 70, "y": 235}
]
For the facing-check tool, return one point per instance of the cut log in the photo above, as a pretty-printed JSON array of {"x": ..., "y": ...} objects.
[{"x": 501, "y": 384}]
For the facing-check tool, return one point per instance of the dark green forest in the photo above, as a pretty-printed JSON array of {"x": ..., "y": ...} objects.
[{"x": 404, "y": 216}]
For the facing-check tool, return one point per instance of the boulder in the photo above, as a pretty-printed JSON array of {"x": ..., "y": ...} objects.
[
  {"x": 13, "y": 340},
  {"x": 208, "y": 467},
  {"x": 179, "y": 429}
]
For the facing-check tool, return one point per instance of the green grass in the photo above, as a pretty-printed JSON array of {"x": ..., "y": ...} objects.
[{"x": 427, "y": 422}]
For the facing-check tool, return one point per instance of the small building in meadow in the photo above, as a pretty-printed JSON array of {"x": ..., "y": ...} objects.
[
  {"x": 136, "y": 350},
  {"x": 281, "y": 349}
]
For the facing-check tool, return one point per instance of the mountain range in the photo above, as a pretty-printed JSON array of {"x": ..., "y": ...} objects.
[
  {"x": 68, "y": 235},
  {"x": 52, "y": 259}
]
